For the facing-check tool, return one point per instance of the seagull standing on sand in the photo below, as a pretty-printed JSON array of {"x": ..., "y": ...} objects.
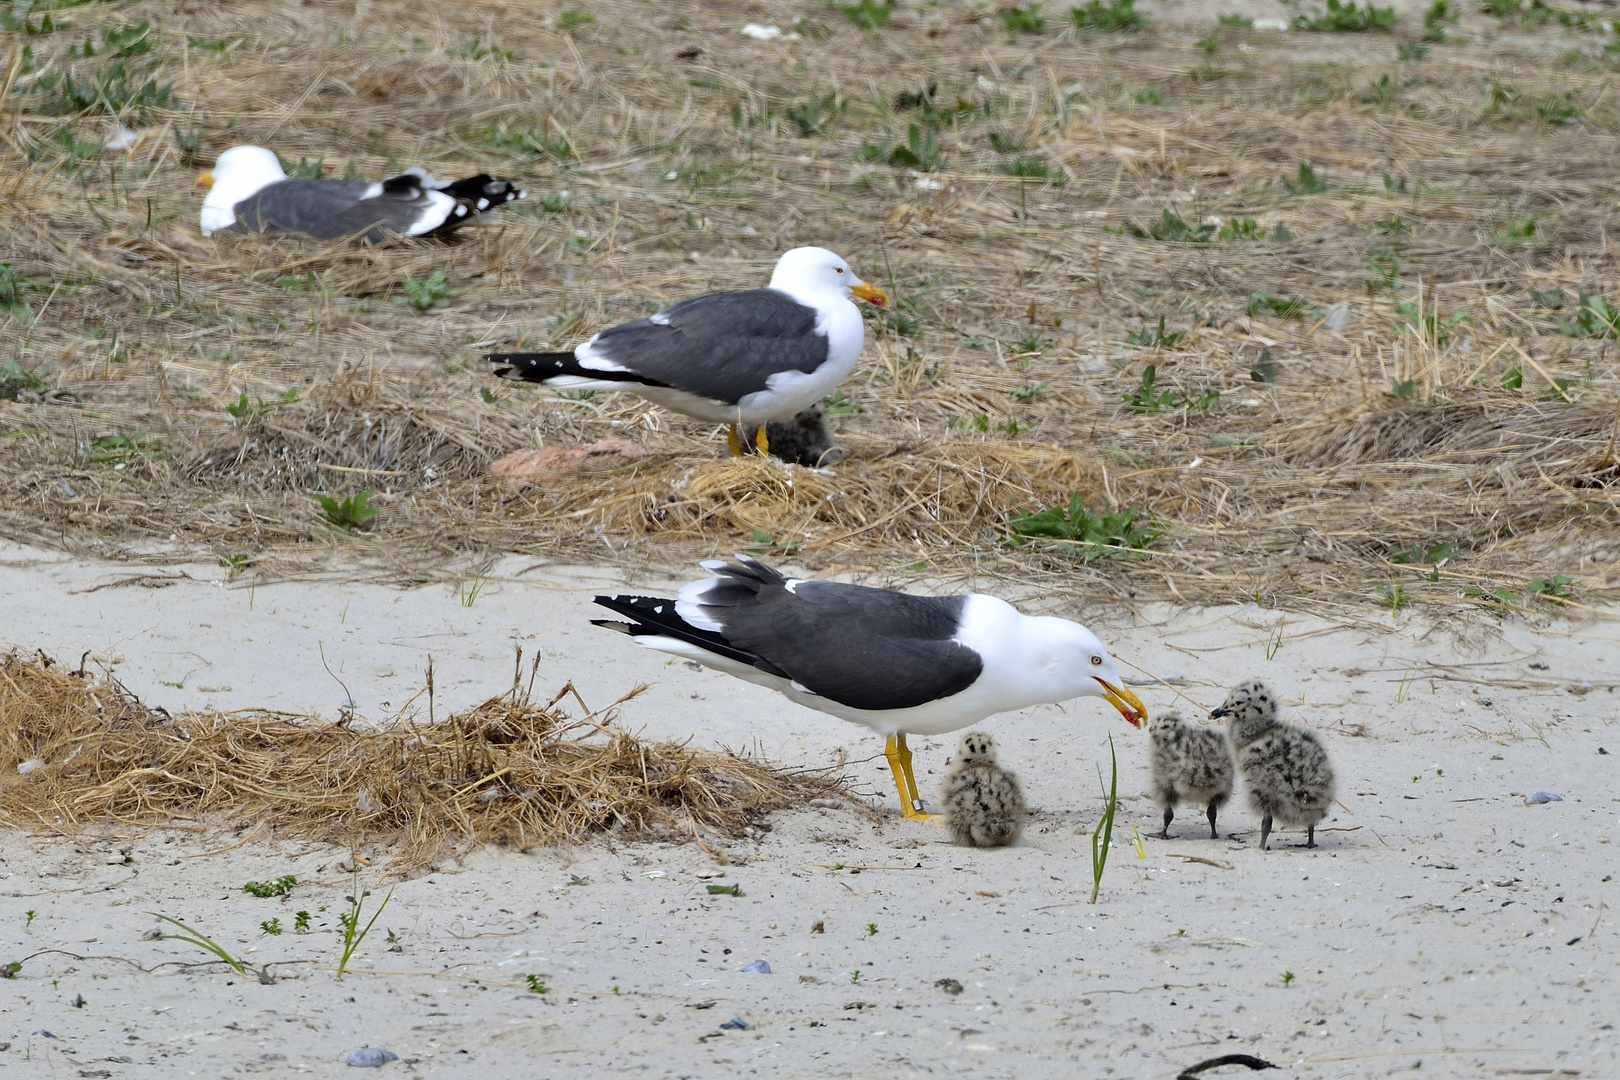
[
  {"x": 746, "y": 357},
  {"x": 248, "y": 192},
  {"x": 894, "y": 662}
]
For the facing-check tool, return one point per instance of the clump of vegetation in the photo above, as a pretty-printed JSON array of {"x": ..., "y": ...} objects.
[
  {"x": 1347, "y": 18},
  {"x": 1241, "y": 229},
  {"x": 264, "y": 890},
  {"x": 1172, "y": 229},
  {"x": 12, "y": 305},
  {"x": 1436, "y": 21},
  {"x": 201, "y": 940},
  {"x": 1594, "y": 318},
  {"x": 1149, "y": 336},
  {"x": 1286, "y": 307},
  {"x": 1118, "y": 15},
  {"x": 919, "y": 151},
  {"x": 434, "y": 291},
  {"x": 351, "y": 513},
  {"x": 1306, "y": 183},
  {"x": 1147, "y": 400},
  {"x": 867, "y": 15},
  {"x": 813, "y": 115},
  {"x": 16, "y": 379},
  {"x": 353, "y": 933},
  {"x": 1102, "y": 838},
  {"x": 1020, "y": 19},
  {"x": 1032, "y": 167},
  {"x": 1118, "y": 534}
]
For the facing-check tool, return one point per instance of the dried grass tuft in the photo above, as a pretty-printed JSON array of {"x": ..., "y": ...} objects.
[{"x": 510, "y": 772}]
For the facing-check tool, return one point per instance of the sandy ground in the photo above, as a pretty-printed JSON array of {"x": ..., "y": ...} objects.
[{"x": 1443, "y": 928}]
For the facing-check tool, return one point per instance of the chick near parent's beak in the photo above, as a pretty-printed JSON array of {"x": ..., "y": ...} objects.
[{"x": 870, "y": 293}]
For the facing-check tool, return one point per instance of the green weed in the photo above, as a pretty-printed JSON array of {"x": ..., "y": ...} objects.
[
  {"x": 272, "y": 927},
  {"x": 476, "y": 50},
  {"x": 1116, "y": 15},
  {"x": 1241, "y": 229},
  {"x": 919, "y": 151},
  {"x": 1072, "y": 529},
  {"x": 839, "y": 405},
  {"x": 855, "y": 977},
  {"x": 199, "y": 939},
  {"x": 1150, "y": 336},
  {"x": 1235, "y": 20},
  {"x": 1429, "y": 324},
  {"x": 301, "y": 922},
  {"x": 1032, "y": 167},
  {"x": 1347, "y": 18},
  {"x": 1148, "y": 96},
  {"x": 535, "y": 985},
  {"x": 1410, "y": 50},
  {"x": 1594, "y": 318},
  {"x": 1171, "y": 229},
  {"x": 871, "y": 929},
  {"x": 1505, "y": 597},
  {"x": 725, "y": 890},
  {"x": 434, "y": 291},
  {"x": 573, "y": 20},
  {"x": 867, "y": 15},
  {"x": 303, "y": 168},
  {"x": 1019, "y": 19},
  {"x": 1391, "y": 596},
  {"x": 243, "y": 409},
  {"x": 1264, "y": 368},
  {"x": 15, "y": 379},
  {"x": 121, "y": 450},
  {"x": 1145, "y": 398},
  {"x": 10, "y": 969},
  {"x": 1288, "y": 978},
  {"x": 351, "y": 513},
  {"x": 1030, "y": 393},
  {"x": 1286, "y": 307},
  {"x": 1554, "y": 587},
  {"x": 349, "y": 920},
  {"x": 264, "y": 890},
  {"x": 1102, "y": 838},
  {"x": 1306, "y": 182},
  {"x": 813, "y": 116},
  {"x": 1418, "y": 555},
  {"x": 116, "y": 90},
  {"x": 1437, "y": 19}
]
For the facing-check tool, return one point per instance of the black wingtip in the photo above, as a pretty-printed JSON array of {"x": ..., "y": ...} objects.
[{"x": 609, "y": 624}]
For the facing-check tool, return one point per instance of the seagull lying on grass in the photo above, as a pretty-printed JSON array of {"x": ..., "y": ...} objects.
[
  {"x": 248, "y": 192},
  {"x": 738, "y": 358},
  {"x": 894, "y": 662}
]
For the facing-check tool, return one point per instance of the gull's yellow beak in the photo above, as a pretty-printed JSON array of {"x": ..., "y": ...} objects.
[
  {"x": 1128, "y": 704},
  {"x": 871, "y": 293},
  {"x": 205, "y": 181}
]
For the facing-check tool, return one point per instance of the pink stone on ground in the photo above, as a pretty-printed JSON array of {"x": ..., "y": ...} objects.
[{"x": 522, "y": 468}]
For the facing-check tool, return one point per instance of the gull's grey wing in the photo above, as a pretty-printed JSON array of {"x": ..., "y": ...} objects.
[
  {"x": 722, "y": 346},
  {"x": 861, "y": 647},
  {"x": 332, "y": 209}
]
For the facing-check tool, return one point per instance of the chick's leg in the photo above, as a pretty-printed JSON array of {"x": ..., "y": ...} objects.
[{"x": 1210, "y": 813}]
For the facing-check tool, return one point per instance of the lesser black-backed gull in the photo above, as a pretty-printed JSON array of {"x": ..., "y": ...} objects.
[
  {"x": 249, "y": 192},
  {"x": 894, "y": 662},
  {"x": 745, "y": 357},
  {"x": 1285, "y": 768}
]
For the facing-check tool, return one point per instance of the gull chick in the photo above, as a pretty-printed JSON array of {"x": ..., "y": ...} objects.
[
  {"x": 1188, "y": 765},
  {"x": 982, "y": 803},
  {"x": 1284, "y": 767}
]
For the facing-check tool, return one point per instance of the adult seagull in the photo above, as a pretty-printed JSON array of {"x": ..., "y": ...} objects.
[
  {"x": 249, "y": 192},
  {"x": 897, "y": 663},
  {"x": 745, "y": 357}
]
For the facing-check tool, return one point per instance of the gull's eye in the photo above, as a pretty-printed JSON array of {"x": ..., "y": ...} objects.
[
  {"x": 1096, "y": 660},
  {"x": 838, "y": 269}
]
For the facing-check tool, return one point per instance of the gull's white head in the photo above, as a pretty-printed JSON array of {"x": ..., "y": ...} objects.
[
  {"x": 1099, "y": 677},
  {"x": 812, "y": 271},
  {"x": 239, "y": 172}
]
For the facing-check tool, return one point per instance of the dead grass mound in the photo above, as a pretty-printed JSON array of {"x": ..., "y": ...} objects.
[{"x": 77, "y": 752}]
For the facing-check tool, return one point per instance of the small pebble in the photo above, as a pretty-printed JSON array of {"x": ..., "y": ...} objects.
[
  {"x": 827, "y": 804},
  {"x": 759, "y": 967},
  {"x": 736, "y": 1023},
  {"x": 370, "y": 1057},
  {"x": 1543, "y": 797}
]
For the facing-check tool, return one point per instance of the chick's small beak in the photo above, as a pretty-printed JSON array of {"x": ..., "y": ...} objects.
[
  {"x": 205, "y": 181},
  {"x": 1128, "y": 704},
  {"x": 870, "y": 292}
]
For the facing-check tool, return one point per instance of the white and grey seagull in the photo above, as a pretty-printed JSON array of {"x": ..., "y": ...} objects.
[
  {"x": 248, "y": 192},
  {"x": 738, "y": 358},
  {"x": 894, "y": 662}
]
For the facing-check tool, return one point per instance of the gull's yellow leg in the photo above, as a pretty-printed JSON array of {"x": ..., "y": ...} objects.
[
  {"x": 733, "y": 443},
  {"x": 899, "y": 755},
  {"x": 763, "y": 445}
]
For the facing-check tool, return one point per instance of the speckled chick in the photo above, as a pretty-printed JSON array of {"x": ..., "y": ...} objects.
[
  {"x": 982, "y": 803},
  {"x": 1285, "y": 769},
  {"x": 1188, "y": 765},
  {"x": 805, "y": 439}
]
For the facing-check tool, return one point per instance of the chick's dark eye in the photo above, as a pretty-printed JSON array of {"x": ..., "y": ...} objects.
[{"x": 1096, "y": 660}]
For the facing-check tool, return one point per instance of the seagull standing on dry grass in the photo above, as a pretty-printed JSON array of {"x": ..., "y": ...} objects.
[
  {"x": 982, "y": 803},
  {"x": 1188, "y": 764},
  {"x": 1285, "y": 769},
  {"x": 893, "y": 662},
  {"x": 249, "y": 193},
  {"x": 738, "y": 358}
]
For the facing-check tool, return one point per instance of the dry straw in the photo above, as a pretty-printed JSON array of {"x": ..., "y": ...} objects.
[
  {"x": 1432, "y": 382},
  {"x": 510, "y": 771}
]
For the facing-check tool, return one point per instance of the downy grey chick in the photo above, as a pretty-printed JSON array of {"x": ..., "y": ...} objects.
[
  {"x": 804, "y": 439},
  {"x": 982, "y": 802},
  {"x": 1284, "y": 767},
  {"x": 1188, "y": 764}
]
